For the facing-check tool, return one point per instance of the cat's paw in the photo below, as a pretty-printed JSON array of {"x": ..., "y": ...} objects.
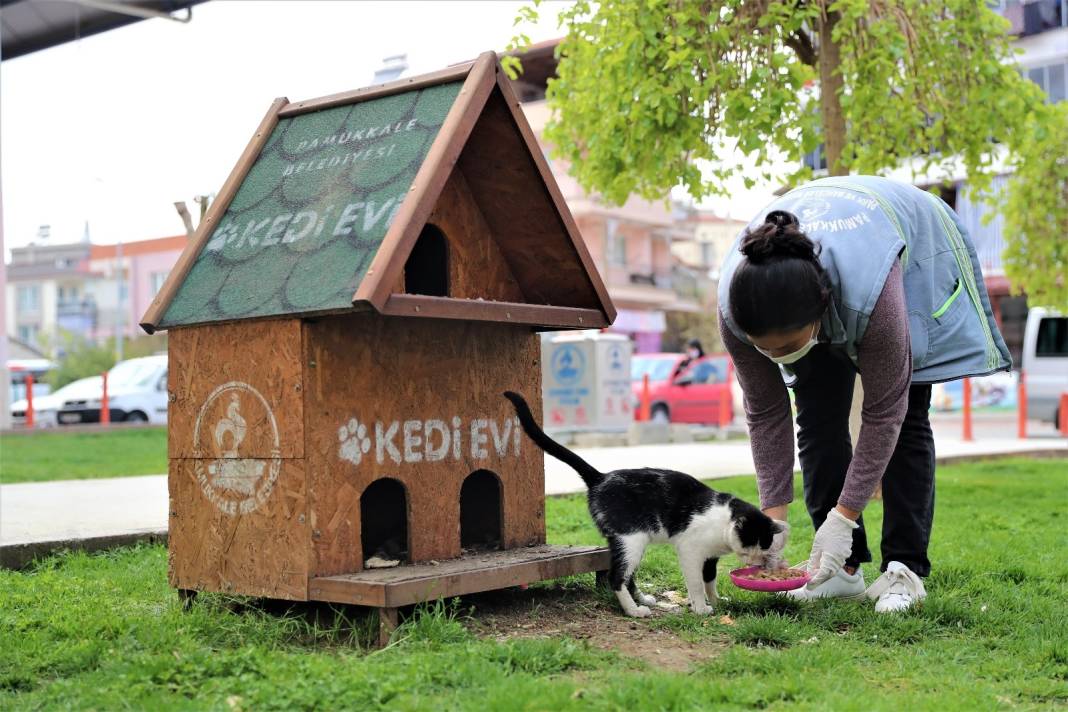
[
  {"x": 640, "y": 612},
  {"x": 701, "y": 609},
  {"x": 646, "y": 599},
  {"x": 354, "y": 442}
]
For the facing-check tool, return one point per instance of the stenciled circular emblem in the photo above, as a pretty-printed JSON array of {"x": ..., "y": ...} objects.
[
  {"x": 234, "y": 484},
  {"x": 568, "y": 365}
]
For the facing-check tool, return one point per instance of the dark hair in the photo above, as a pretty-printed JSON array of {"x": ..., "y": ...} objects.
[
  {"x": 695, "y": 344},
  {"x": 780, "y": 285}
]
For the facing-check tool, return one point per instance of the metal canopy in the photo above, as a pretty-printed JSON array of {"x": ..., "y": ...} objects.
[{"x": 32, "y": 25}]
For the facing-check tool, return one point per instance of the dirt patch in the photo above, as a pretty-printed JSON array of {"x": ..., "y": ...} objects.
[{"x": 582, "y": 615}]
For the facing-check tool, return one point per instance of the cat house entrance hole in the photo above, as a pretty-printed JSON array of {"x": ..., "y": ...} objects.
[
  {"x": 427, "y": 269},
  {"x": 480, "y": 511},
  {"x": 384, "y": 520}
]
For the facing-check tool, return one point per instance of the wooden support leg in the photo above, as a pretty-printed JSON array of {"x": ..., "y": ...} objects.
[
  {"x": 387, "y": 623},
  {"x": 186, "y": 596}
]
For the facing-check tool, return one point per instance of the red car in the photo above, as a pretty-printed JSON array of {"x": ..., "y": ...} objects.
[{"x": 683, "y": 394}]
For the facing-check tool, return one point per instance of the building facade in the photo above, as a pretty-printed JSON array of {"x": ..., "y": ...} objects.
[{"x": 91, "y": 291}]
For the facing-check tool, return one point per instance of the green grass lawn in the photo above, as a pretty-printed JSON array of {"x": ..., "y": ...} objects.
[
  {"x": 106, "y": 632},
  {"x": 46, "y": 456}
]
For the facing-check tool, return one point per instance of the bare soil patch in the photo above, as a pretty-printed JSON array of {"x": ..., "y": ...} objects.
[{"x": 582, "y": 615}]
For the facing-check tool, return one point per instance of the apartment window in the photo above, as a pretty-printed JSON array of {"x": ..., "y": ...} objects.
[
  {"x": 1032, "y": 17},
  {"x": 27, "y": 333},
  {"x": 1052, "y": 78},
  {"x": 67, "y": 294},
  {"x": 28, "y": 298},
  {"x": 816, "y": 160},
  {"x": 156, "y": 281},
  {"x": 615, "y": 245},
  {"x": 708, "y": 254}
]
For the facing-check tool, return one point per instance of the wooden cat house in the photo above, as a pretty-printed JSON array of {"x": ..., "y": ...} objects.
[{"x": 369, "y": 280}]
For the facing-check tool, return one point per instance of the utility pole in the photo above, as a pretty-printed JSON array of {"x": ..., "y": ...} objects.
[{"x": 119, "y": 313}]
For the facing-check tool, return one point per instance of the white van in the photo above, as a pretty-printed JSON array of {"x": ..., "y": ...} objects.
[
  {"x": 1045, "y": 362},
  {"x": 137, "y": 393}
]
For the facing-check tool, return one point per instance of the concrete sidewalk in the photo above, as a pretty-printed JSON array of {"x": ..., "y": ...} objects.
[{"x": 37, "y": 518}]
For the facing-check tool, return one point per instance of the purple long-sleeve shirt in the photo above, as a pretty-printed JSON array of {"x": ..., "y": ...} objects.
[{"x": 884, "y": 359}]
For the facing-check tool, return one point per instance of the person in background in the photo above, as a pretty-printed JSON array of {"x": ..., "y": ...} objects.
[
  {"x": 846, "y": 276},
  {"x": 693, "y": 352}
]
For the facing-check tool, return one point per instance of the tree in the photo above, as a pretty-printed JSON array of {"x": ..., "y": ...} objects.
[
  {"x": 77, "y": 357},
  {"x": 646, "y": 88}
]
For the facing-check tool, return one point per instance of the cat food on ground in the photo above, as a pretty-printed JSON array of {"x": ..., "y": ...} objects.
[{"x": 777, "y": 575}]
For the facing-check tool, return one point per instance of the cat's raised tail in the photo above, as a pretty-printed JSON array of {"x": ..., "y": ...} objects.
[{"x": 585, "y": 470}]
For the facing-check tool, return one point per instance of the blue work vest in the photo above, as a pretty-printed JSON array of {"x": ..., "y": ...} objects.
[{"x": 863, "y": 224}]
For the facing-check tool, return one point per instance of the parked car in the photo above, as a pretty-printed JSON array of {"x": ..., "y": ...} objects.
[
  {"x": 46, "y": 406},
  {"x": 1045, "y": 362},
  {"x": 692, "y": 394},
  {"x": 137, "y": 393}
]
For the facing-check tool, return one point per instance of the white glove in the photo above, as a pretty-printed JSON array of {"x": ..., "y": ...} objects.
[
  {"x": 774, "y": 558},
  {"x": 831, "y": 547}
]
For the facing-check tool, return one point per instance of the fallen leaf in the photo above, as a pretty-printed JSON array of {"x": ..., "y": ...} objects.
[{"x": 726, "y": 620}]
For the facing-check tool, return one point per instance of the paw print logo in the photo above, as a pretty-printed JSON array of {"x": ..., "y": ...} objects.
[{"x": 354, "y": 441}]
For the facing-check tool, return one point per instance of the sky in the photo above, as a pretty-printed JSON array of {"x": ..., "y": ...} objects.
[{"x": 113, "y": 129}]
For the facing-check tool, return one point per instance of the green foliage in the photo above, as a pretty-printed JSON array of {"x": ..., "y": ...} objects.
[
  {"x": 1036, "y": 211},
  {"x": 646, "y": 88},
  {"x": 81, "y": 358}
]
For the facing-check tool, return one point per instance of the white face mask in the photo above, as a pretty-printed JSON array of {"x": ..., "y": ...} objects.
[{"x": 796, "y": 355}]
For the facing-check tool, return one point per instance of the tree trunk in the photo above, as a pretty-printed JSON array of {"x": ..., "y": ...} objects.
[{"x": 834, "y": 127}]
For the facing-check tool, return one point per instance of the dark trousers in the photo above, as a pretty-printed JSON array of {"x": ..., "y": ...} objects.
[{"x": 823, "y": 393}]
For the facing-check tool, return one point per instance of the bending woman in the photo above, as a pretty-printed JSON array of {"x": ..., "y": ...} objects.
[{"x": 838, "y": 277}]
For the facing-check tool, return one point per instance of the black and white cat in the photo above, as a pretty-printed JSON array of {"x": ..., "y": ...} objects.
[{"x": 633, "y": 508}]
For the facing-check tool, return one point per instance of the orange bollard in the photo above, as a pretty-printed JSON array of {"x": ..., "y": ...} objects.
[
  {"x": 1021, "y": 408},
  {"x": 29, "y": 399},
  {"x": 725, "y": 400},
  {"x": 643, "y": 412},
  {"x": 105, "y": 411},
  {"x": 967, "y": 410},
  {"x": 1064, "y": 414}
]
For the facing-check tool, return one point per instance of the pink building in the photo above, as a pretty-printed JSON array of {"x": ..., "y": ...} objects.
[{"x": 125, "y": 280}]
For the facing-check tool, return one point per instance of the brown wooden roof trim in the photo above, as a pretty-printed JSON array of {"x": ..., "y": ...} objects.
[
  {"x": 399, "y": 86},
  {"x": 504, "y": 312},
  {"x": 387, "y": 266},
  {"x": 154, "y": 314},
  {"x": 547, "y": 179}
]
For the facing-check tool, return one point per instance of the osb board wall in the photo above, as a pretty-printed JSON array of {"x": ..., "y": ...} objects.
[
  {"x": 262, "y": 552},
  {"x": 252, "y": 363},
  {"x": 236, "y": 442},
  {"x": 376, "y": 388},
  {"x": 476, "y": 267}
]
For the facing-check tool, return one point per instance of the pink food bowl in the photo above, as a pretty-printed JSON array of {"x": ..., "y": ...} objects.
[{"x": 738, "y": 578}]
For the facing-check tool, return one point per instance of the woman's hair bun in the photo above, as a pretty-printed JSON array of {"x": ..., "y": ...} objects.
[
  {"x": 781, "y": 218},
  {"x": 779, "y": 237}
]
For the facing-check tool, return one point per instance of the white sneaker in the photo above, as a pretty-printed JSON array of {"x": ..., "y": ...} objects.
[
  {"x": 841, "y": 585},
  {"x": 898, "y": 589}
]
